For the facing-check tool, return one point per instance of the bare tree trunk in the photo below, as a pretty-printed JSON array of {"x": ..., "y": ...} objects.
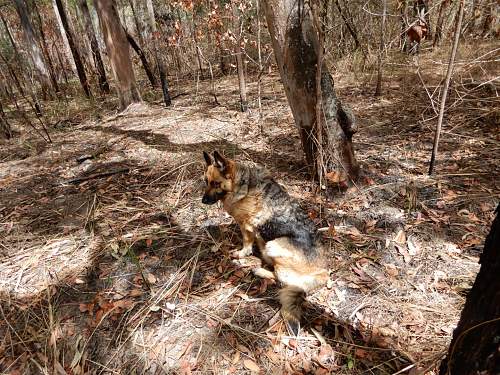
[
  {"x": 404, "y": 24},
  {"x": 488, "y": 19},
  {"x": 33, "y": 48},
  {"x": 74, "y": 50},
  {"x": 118, "y": 52},
  {"x": 239, "y": 62},
  {"x": 151, "y": 21},
  {"x": 45, "y": 49},
  {"x": 144, "y": 60},
  {"x": 350, "y": 27},
  {"x": 296, "y": 48},
  {"x": 5, "y": 128},
  {"x": 241, "y": 78},
  {"x": 378, "y": 90},
  {"x": 475, "y": 348},
  {"x": 259, "y": 61},
  {"x": 197, "y": 50},
  {"x": 458, "y": 28},
  {"x": 67, "y": 50},
  {"x": 99, "y": 65},
  {"x": 16, "y": 55},
  {"x": 439, "y": 23},
  {"x": 137, "y": 20}
]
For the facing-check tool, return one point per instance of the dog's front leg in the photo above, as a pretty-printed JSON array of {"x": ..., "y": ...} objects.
[{"x": 248, "y": 240}]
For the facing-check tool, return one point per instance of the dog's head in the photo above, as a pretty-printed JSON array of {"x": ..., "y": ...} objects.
[{"x": 219, "y": 177}]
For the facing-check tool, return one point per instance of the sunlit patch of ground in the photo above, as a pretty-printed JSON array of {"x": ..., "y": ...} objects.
[{"x": 112, "y": 263}]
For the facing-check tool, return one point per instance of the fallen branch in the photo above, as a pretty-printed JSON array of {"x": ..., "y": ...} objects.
[{"x": 96, "y": 175}]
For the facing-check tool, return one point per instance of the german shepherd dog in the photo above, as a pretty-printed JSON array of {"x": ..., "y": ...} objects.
[{"x": 267, "y": 215}]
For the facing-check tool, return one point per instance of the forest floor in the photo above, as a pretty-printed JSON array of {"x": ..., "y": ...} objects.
[{"x": 111, "y": 264}]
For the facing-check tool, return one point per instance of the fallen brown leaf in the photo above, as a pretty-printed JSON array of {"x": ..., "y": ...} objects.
[{"x": 251, "y": 365}]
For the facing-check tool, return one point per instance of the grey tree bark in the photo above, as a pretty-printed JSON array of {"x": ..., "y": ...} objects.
[
  {"x": 157, "y": 51},
  {"x": 33, "y": 48},
  {"x": 378, "y": 89},
  {"x": 74, "y": 49},
  {"x": 296, "y": 48},
  {"x": 99, "y": 65},
  {"x": 118, "y": 50}
]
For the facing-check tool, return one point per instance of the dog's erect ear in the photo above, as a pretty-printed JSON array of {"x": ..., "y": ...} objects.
[
  {"x": 220, "y": 161},
  {"x": 207, "y": 157}
]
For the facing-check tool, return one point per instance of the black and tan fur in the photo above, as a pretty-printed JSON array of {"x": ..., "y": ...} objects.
[{"x": 267, "y": 215}]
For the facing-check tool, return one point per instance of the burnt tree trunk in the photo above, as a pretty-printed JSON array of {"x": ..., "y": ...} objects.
[
  {"x": 118, "y": 52},
  {"x": 296, "y": 49},
  {"x": 99, "y": 65},
  {"x": 74, "y": 50},
  {"x": 144, "y": 60},
  {"x": 475, "y": 347}
]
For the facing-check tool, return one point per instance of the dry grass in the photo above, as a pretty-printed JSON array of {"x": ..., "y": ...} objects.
[{"x": 130, "y": 272}]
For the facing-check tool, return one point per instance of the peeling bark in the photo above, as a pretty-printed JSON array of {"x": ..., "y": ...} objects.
[
  {"x": 118, "y": 52},
  {"x": 34, "y": 50},
  {"x": 99, "y": 65},
  {"x": 296, "y": 48}
]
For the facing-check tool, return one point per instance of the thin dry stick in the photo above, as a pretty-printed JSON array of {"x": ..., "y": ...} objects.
[
  {"x": 319, "y": 93},
  {"x": 458, "y": 27},
  {"x": 259, "y": 85},
  {"x": 378, "y": 90}
]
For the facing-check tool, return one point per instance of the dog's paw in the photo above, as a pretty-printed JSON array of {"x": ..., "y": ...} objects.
[{"x": 244, "y": 252}]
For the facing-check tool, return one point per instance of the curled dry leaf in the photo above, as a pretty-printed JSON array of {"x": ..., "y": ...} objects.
[
  {"x": 400, "y": 237},
  {"x": 391, "y": 270},
  {"x": 251, "y": 365}
]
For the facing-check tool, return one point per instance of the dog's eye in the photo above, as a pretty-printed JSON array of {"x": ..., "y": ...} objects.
[{"x": 206, "y": 180}]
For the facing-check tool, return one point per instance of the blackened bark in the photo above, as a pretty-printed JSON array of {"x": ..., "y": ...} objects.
[
  {"x": 475, "y": 347},
  {"x": 144, "y": 60},
  {"x": 74, "y": 50},
  {"x": 99, "y": 65}
]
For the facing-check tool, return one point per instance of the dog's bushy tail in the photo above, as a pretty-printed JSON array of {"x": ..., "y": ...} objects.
[{"x": 291, "y": 299}]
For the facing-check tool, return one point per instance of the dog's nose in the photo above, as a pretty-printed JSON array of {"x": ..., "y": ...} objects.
[{"x": 204, "y": 200}]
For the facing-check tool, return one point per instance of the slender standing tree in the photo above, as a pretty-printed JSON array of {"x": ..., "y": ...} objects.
[
  {"x": 34, "y": 50},
  {"x": 151, "y": 22},
  {"x": 45, "y": 48},
  {"x": 118, "y": 52},
  {"x": 74, "y": 50},
  {"x": 99, "y": 65},
  {"x": 378, "y": 89},
  {"x": 238, "y": 51},
  {"x": 296, "y": 49}
]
